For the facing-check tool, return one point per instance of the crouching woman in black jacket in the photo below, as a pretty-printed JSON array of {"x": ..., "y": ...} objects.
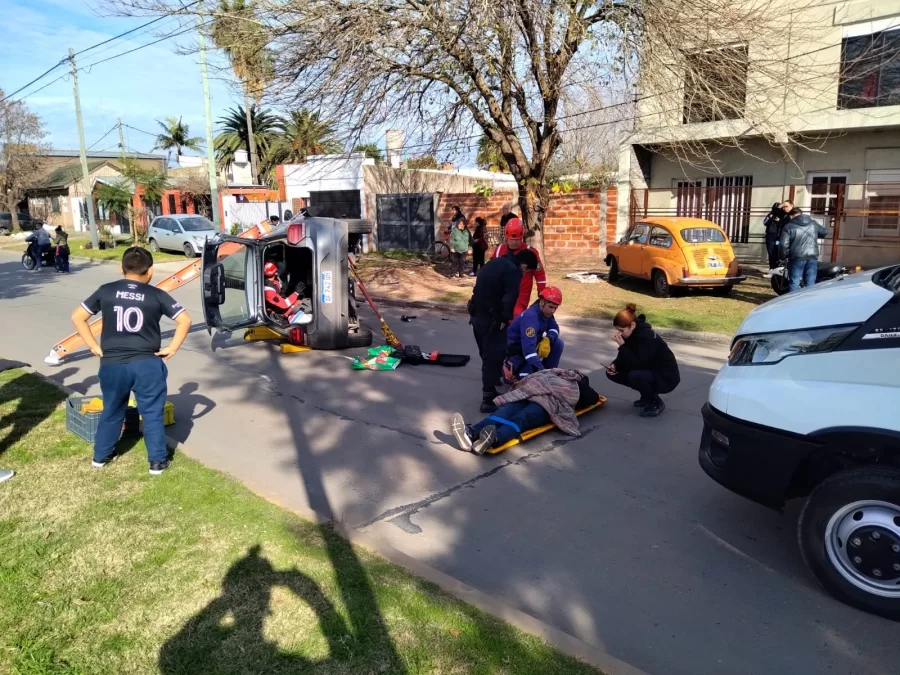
[{"x": 645, "y": 362}]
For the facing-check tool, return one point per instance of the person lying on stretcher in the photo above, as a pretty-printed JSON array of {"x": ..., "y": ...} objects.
[
  {"x": 550, "y": 395},
  {"x": 292, "y": 308}
]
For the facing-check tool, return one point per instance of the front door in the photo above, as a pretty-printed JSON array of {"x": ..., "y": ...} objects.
[
  {"x": 232, "y": 284},
  {"x": 631, "y": 256}
]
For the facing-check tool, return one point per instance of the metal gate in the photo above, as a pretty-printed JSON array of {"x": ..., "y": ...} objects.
[{"x": 405, "y": 222}]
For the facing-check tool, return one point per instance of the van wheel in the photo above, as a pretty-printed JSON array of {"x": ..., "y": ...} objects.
[
  {"x": 360, "y": 338},
  {"x": 613, "y": 270},
  {"x": 660, "y": 284},
  {"x": 154, "y": 246},
  {"x": 849, "y": 534}
]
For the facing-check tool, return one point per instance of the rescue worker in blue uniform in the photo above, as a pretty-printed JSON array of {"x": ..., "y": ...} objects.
[{"x": 533, "y": 341}]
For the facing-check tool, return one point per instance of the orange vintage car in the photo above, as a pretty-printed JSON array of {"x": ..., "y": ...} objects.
[{"x": 676, "y": 253}]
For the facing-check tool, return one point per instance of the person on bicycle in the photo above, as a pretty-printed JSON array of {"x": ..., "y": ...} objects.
[{"x": 515, "y": 241}]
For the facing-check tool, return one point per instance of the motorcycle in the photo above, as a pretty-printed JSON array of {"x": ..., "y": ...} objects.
[
  {"x": 781, "y": 277},
  {"x": 29, "y": 258}
]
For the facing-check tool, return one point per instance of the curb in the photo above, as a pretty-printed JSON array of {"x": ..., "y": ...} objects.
[
  {"x": 581, "y": 322},
  {"x": 560, "y": 640}
]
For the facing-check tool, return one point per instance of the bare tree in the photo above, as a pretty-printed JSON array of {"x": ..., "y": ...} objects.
[
  {"x": 454, "y": 71},
  {"x": 21, "y": 153}
]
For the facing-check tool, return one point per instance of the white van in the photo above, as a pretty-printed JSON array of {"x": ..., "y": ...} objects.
[{"x": 808, "y": 406}]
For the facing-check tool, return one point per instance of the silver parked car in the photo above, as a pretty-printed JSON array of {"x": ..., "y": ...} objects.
[{"x": 185, "y": 232}]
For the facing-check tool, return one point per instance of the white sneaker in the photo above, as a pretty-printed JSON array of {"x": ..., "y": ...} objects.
[{"x": 6, "y": 474}]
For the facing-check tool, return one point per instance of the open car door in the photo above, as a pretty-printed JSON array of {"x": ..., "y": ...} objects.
[{"x": 232, "y": 284}]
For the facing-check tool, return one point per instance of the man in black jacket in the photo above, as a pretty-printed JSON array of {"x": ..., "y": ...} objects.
[
  {"x": 491, "y": 310},
  {"x": 775, "y": 222}
]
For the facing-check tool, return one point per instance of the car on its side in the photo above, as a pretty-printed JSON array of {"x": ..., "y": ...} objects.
[
  {"x": 186, "y": 232},
  {"x": 808, "y": 407},
  {"x": 676, "y": 253}
]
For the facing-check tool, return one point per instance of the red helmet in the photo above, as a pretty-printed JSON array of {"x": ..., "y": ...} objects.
[
  {"x": 270, "y": 269},
  {"x": 552, "y": 294},
  {"x": 515, "y": 229}
]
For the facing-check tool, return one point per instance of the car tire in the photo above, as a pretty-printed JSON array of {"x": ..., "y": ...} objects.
[
  {"x": 359, "y": 226},
  {"x": 723, "y": 291},
  {"x": 154, "y": 246},
  {"x": 661, "y": 286},
  {"x": 5, "y": 232},
  {"x": 188, "y": 251},
  {"x": 613, "y": 270},
  {"x": 849, "y": 507},
  {"x": 361, "y": 338}
]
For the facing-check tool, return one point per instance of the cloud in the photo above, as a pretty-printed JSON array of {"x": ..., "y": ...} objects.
[{"x": 150, "y": 84}]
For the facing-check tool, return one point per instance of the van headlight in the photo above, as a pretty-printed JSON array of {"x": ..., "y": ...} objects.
[{"x": 769, "y": 348}]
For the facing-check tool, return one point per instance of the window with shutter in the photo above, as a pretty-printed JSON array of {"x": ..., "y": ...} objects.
[{"x": 883, "y": 203}]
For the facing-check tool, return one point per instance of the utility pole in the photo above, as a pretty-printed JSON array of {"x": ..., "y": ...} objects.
[
  {"x": 88, "y": 197},
  {"x": 121, "y": 136},
  {"x": 210, "y": 150}
]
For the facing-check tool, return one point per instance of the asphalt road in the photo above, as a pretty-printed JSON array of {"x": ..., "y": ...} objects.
[{"x": 616, "y": 537}]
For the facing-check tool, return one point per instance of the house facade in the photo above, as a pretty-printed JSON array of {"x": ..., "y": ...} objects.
[{"x": 829, "y": 140}]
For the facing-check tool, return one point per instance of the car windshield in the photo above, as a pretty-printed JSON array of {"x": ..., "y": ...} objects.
[
  {"x": 889, "y": 278},
  {"x": 703, "y": 235},
  {"x": 198, "y": 224}
]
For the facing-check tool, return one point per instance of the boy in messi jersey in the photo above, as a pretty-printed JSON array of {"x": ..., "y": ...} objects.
[{"x": 131, "y": 356}]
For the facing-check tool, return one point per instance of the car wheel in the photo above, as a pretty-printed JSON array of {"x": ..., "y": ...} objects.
[
  {"x": 188, "y": 251},
  {"x": 724, "y": 291},
  {"x": 849, "y": 535},
  {"x": 780, "y": 284},
  {"x": 154, "y": 247},
  {"x": 5, "y": 232},
  {"x": 613, "y": 270},
  {"x": 660, "y": 284},
  {"x": 360, "y": 338}
]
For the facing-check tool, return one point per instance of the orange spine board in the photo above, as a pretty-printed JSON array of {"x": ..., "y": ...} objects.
[{"x": 185, "y": 275}]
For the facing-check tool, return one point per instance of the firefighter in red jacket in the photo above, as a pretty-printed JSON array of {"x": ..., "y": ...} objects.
[
  {"x": 290, "y": 307},
  {"x": 515, "y": 241}
]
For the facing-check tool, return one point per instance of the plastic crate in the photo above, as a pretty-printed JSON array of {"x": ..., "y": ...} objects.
[
  {"x": 168, "y": 411},
  {"x": 84, "y": 425}
]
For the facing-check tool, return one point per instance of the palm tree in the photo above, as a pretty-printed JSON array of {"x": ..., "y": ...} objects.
[
  {"x": 371, "y": 151},
  {"x": 234, "y": 135},
  {"x": 304, "y": 134},
  {"x": 243, "y": 39},
  {"x": 176, "y": 135},
  {"x": 489, "y": 156}
]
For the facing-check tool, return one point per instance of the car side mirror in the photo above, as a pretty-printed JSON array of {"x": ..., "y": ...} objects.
[{"x": 214, "y": 284}]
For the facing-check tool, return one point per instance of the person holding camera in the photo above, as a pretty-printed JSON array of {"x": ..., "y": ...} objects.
[{"x": 775, "y": 222}]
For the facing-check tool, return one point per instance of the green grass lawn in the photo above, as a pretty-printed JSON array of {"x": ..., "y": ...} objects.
[
  {"x": 113, "y": 571},
  {"x": 77, "y": 248}
]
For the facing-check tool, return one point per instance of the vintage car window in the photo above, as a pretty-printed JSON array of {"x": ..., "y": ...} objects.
[
  {"x": 640, "y": 233},
  {"x": 703, "y": 235},
  {"x": 660, "y": 237}
]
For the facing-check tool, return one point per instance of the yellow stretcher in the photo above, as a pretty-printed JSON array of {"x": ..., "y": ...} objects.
[{"x": 537, "y": 431}]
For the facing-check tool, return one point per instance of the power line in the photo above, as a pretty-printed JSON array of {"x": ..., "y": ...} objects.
[
  {"x": 133, "y": 30},
  {"x": 103, "y": 136},
  {"x": 39, "y": 77},
  {"x": 140, "y": 130}
]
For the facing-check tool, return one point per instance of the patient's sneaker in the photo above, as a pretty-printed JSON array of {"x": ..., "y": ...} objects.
[
  {"x": 486, "y": 439},
  {"x": 462, "y": 432}
]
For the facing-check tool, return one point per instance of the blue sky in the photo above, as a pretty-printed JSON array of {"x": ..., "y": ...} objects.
[{"x": 142, "y": 87}]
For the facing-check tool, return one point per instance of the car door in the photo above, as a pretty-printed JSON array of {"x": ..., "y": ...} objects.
[
  {"x": 631, "y": 255},
  {"x": 177, "y": 234},
  {"x": 661, "y": 253},
  {"x": 232, "y": 284},
  {"x": 159, "y": 231}
]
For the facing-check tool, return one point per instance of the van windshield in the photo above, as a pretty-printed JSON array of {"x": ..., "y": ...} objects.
[
  {"x": 889, "y": 278},
  {"x": 198, "y": 224},
  {"x": 703, "y": 235}
]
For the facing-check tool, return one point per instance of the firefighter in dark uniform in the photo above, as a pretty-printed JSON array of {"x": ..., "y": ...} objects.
[
  {"x": 491, "y": 309},
  {"x": 533, "y": 340}
]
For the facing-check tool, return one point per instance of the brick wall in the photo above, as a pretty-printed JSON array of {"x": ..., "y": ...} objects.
[{"x": 575, "y": 225}]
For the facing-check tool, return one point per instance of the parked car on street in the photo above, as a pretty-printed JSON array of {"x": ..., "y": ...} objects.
[
  {"x": 807, "y": 408},
  {"x": 6, "y": 223},
  {"x": 186, "y": 232},
  {"x": 676, "y": 253}
]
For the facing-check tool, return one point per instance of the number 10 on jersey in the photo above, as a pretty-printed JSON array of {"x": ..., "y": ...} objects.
[{"x": 128, "y": 319}]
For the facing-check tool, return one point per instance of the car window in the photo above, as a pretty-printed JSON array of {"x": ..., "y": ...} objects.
[
  {"x": 703, "y": 235},
  {"x": 640, "y": 233},
  {"x": 660, "y": 237},
  {"x": 196, "y": 224},
  {"x": 161, "y": 223}
]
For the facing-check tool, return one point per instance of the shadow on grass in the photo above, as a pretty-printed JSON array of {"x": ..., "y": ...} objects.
[
  {"x": 37, "y": 400},
  {"x": 228, "y": 634}
]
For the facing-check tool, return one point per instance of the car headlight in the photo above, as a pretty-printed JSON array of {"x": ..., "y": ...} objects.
[{"x": 766, "y": 349}]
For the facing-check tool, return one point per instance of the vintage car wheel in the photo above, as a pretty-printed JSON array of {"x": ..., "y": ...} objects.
[
  {"x": 613, "y": 270},
  {"x": 661, "y": 284},
  {"x": 723, "y": 291}
]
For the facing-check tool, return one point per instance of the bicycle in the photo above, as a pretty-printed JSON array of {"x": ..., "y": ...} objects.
[{"x": 440, "y": 252}]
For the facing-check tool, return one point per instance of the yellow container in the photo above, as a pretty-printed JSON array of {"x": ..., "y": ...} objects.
[{"x": 168, "y": 411}]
